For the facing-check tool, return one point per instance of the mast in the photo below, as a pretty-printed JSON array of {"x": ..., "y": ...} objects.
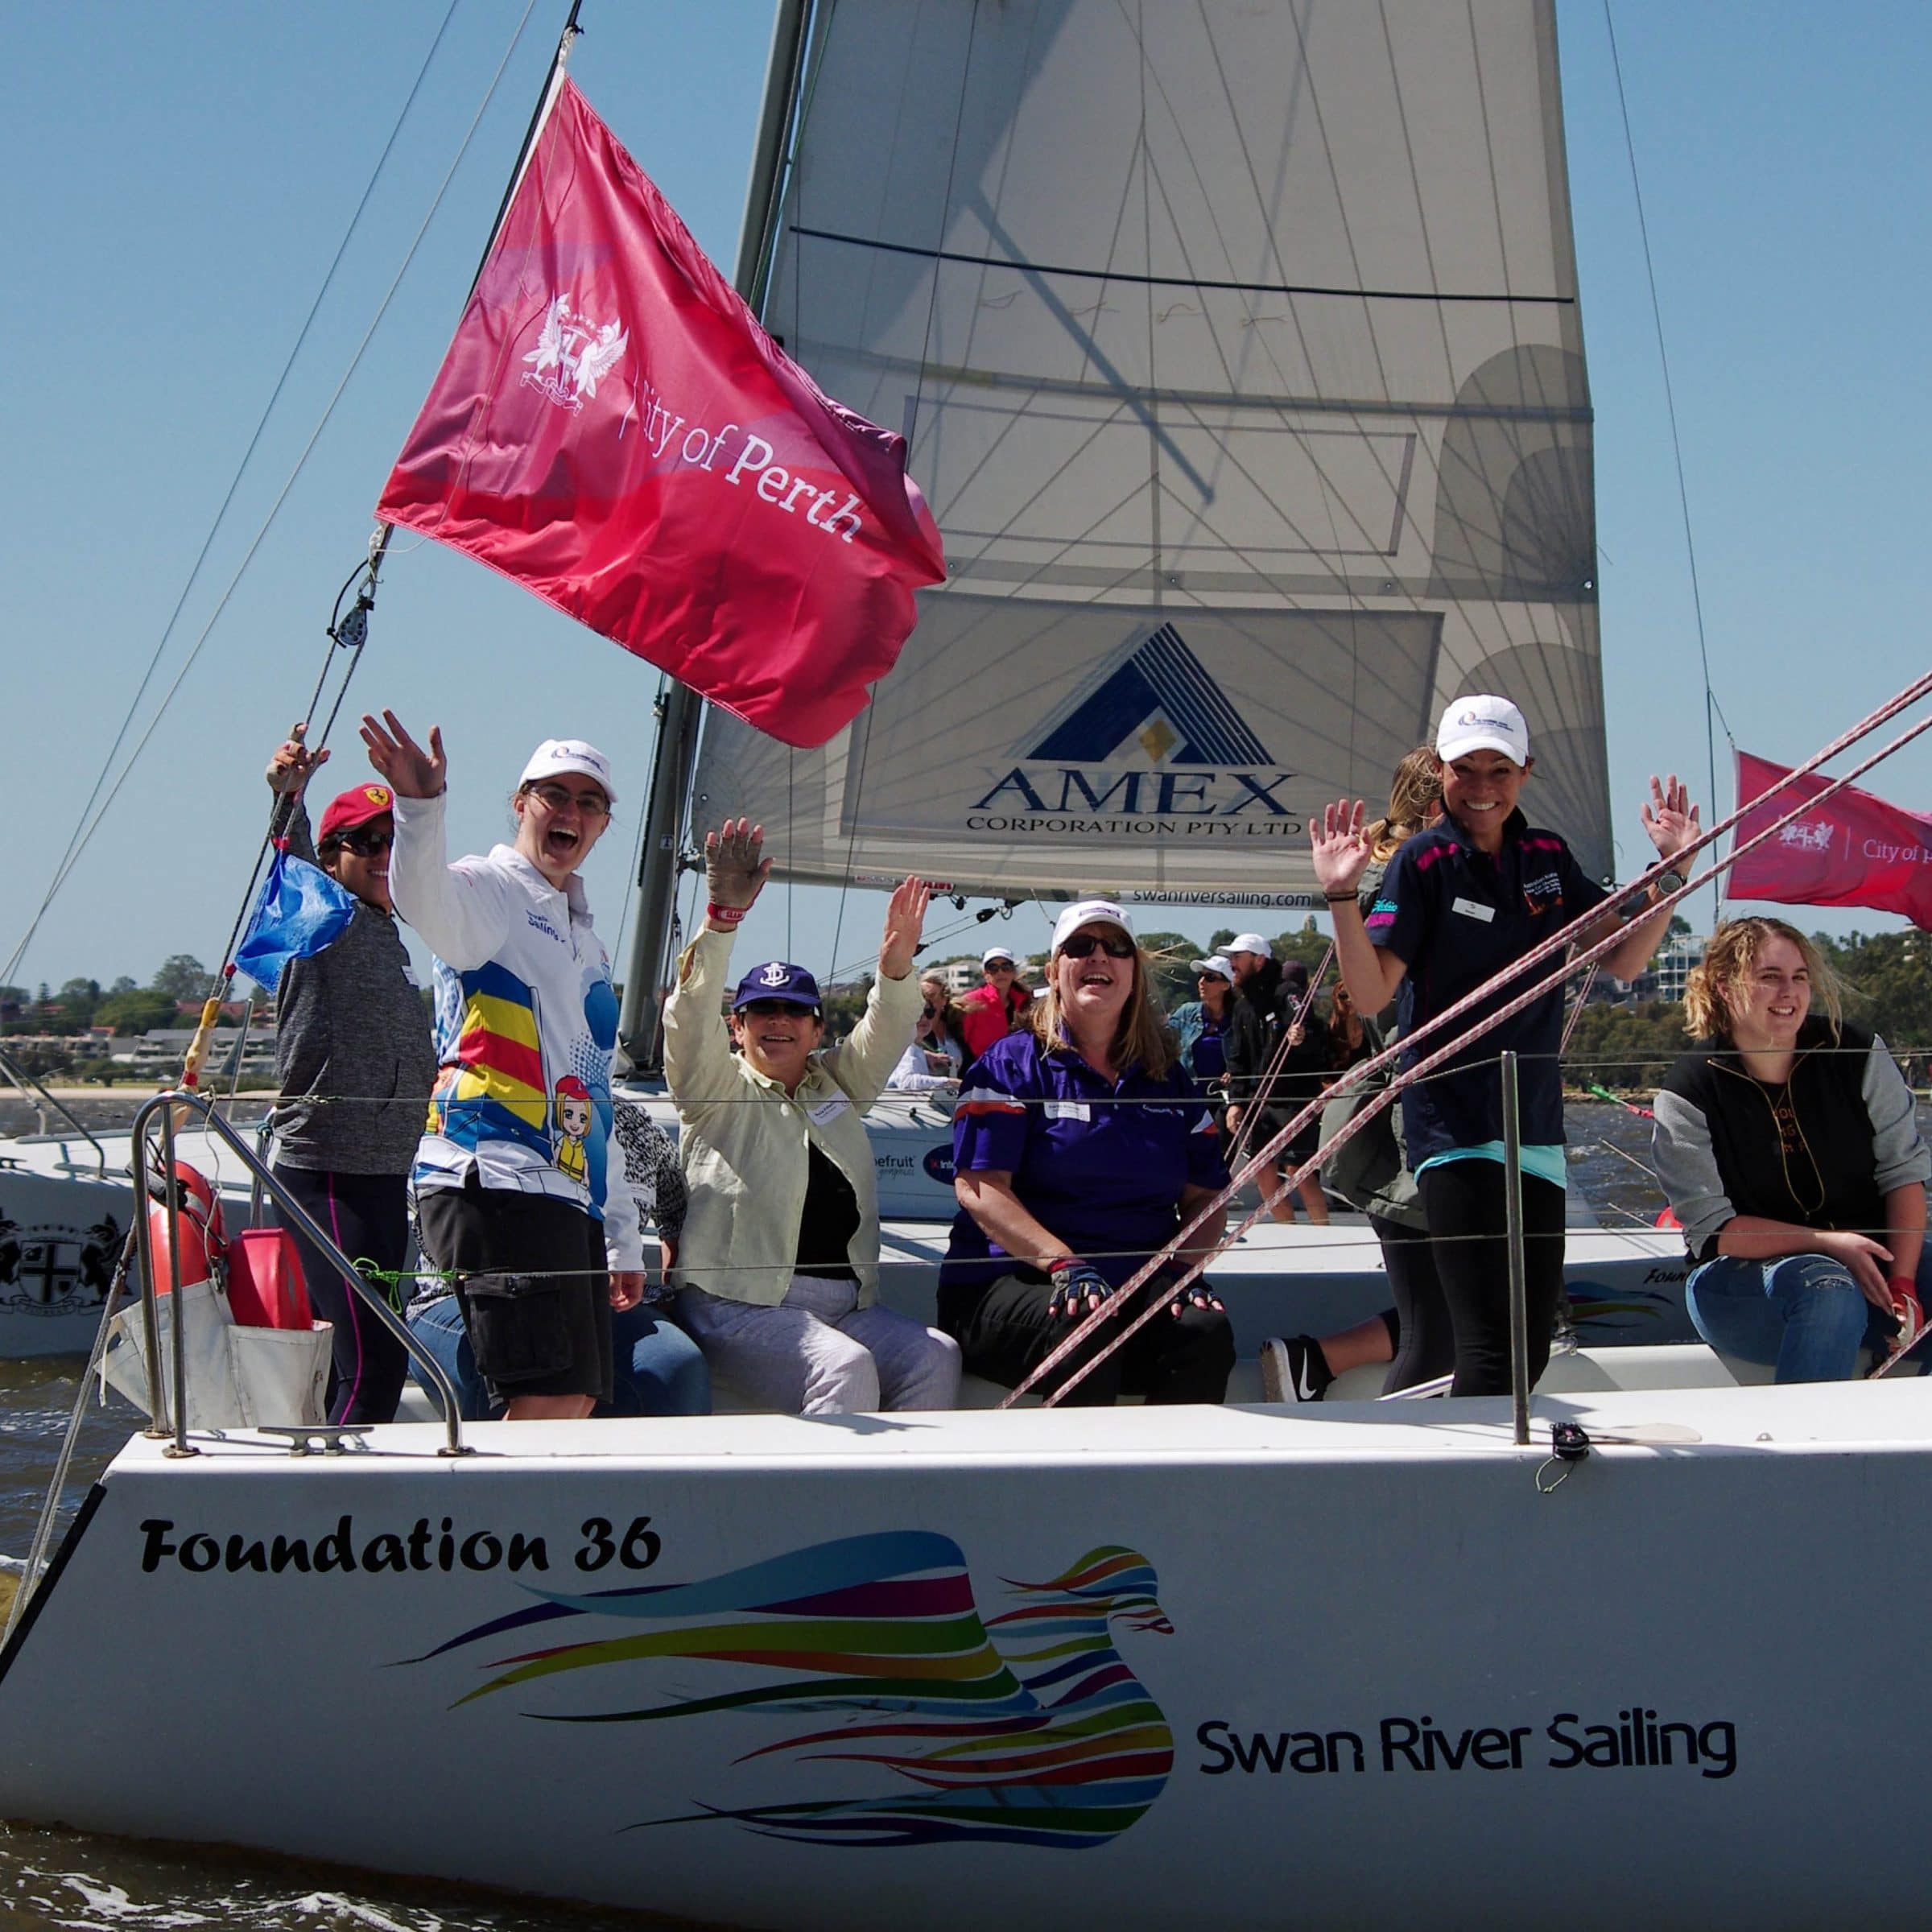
[{"x": 640, "y": 1030}]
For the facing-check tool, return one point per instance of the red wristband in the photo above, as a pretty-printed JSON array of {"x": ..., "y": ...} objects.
[
  {"x": 725, "y": 915},
  {"x": 1065, "y": 1260}
]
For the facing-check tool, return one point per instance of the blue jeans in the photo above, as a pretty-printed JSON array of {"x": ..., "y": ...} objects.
[
  {"x": 659, "y": 1368},
  {"x": 1802, "y": 1313}
]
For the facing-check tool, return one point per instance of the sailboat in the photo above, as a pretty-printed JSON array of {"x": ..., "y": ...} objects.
[
  {"x": 1254, "y": 439},
  {"x": 1361, "y": 1664}
]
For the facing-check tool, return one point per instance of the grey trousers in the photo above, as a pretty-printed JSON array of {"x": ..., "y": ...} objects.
[{"x": 819, "y": 1353}]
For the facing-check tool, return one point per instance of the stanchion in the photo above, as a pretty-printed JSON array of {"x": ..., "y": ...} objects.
[{"x": 1513, "y": 1224}]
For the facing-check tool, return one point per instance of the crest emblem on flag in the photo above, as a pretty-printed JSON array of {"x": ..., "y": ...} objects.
[{"x": 573, "y": 355}]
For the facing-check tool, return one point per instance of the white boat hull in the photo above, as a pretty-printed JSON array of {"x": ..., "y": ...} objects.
[{"x": 1390, "y": 1691}]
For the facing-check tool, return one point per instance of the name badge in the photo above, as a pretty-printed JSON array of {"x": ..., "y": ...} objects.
[
  {"x": 828, "y": 1111},
  {"x": 1068, "y": 1110},
  {"x": 1470, "y": 910}
]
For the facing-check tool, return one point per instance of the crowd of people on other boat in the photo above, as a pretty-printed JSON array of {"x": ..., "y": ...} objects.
[{"x": 1091, "y": 1133}]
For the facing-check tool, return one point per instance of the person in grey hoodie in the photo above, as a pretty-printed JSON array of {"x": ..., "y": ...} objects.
[{"x": 355, "y": 1064}]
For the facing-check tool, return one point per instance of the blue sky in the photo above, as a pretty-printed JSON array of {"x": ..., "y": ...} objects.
[{"x": 193, "y": 166}]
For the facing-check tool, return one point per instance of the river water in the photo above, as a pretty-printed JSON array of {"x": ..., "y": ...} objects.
[{"x": 60, "y": 1881}]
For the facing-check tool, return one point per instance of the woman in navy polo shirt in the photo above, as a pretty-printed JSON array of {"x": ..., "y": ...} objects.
[
  {"x": 1080, "y": 1147},
  {"x": 1460, "y": 902}
]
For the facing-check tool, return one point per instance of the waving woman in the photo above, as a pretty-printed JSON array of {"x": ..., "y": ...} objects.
[
  {"x": 511, "y": 1177},
  {"x": 778, "y": 1267}
]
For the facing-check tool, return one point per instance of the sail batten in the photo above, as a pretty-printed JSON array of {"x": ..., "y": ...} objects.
[{"x": 1238, "y": 352}]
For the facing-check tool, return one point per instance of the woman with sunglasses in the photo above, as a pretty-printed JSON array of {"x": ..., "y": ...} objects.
[
  {"x": 937, "y": 1052},
  {"x": 1080, "y": 1148},
  {"x": 515, "y": 1193},
  {"x": 1199, "y": 1025},
  {"x": 777, "y": 1270},
  {"x": 354, "y": 1064}
]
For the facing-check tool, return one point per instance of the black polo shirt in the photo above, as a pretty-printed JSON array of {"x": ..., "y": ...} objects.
[{"x": 1455, "y": 917}]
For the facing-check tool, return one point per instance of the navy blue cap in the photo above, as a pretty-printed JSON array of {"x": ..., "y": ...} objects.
[{"x": 777, "y": 979}]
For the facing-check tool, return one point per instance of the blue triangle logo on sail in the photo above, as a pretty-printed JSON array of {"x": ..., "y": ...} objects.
[{"x": 1160, "y": 698}]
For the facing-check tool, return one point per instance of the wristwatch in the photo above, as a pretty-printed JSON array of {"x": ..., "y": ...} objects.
[{"x": 1665, "y": 880}]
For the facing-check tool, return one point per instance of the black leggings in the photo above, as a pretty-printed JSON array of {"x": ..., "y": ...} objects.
[
  {"x": 367, "y": 1216},
  {"x": 1004, "y": 1332},
  {"x": 1424, "y": 1342},
  {"x": 1464, "y": 1200}
]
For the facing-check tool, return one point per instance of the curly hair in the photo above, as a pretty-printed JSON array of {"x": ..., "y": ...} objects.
[{"x": 1730, "y": 958}]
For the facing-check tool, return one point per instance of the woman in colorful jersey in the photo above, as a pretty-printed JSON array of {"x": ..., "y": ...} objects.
[
  {"x": 511, "y": 1177},
  {"x": 778, "y": 1269},
  {"x": 657, "y": 1368},
  {"x": 354, "y": 1065},
  {"x": 1788, "y": 1145},
  {"x": 1080, "y": 1148},
  {"x": 1461, "y": 902}
]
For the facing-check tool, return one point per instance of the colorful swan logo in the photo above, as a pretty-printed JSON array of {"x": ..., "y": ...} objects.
[{"x": 1027, "y": 1728}]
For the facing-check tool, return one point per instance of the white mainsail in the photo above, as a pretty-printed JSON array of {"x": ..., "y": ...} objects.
[{"x": 1239, "y": 352}]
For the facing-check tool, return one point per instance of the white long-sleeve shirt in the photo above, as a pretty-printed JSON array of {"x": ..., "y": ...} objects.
[{"x": 526, "y": 1022}]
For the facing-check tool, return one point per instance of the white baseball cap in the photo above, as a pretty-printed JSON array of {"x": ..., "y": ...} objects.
[
  {"x": 996, "y": 952},
  {"x": 1218, "y": 966},
  {"x": 1090, "y": 912},
  {"x": 1247, "y": 942},
  {"x": 1483, "y": 724},
  {"x": 562, "y": 758}
]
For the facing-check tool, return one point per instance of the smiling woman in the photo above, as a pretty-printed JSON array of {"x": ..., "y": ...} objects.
[
  {"x": 1080, "y": 1147},
  {"x": 512, "y": 1173},
  {"x": 1788, "y": 1145},
  {"x": 778, "y": 1267}
]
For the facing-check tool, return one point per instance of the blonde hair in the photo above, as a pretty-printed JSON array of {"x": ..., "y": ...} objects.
[
  {"x": 1141, "y": 1038},
  {"x": 1415, "y": 786},
  {"x": 1730, "y": 958}
]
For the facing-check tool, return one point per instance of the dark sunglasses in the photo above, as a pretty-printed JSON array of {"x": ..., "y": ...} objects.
[
  {"x": 1115, "y": 945},
  {"x": 772, "y": 1010},
  {"x": 366, "y": 844},
  {"x": 932, "y": 1013}
]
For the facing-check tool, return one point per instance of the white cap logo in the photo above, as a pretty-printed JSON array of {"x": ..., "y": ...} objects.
[{"x": 775, "y": 974}]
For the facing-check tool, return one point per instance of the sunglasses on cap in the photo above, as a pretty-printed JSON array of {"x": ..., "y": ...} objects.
[
  {"x": 772, "y": 1010},
  {"x": 366, "y": 841},
  {"x": 1115, "y": 945}
]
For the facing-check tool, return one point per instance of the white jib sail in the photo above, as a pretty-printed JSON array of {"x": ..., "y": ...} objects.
[{"x": 1238, "y": 348}]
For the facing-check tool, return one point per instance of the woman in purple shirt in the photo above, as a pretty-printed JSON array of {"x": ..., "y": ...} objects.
[{"x": 1081, "y": 1147}]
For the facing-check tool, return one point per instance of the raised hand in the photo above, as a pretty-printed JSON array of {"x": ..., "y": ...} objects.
[
  {"x": 905, "y": 919},
  {"x": 293, "y": 764},
  {"x": 1670, "y": 818},
  {"x": 412, "y": 772},
  {"x": 1339, "y": 846},
  {"x": 734, "y": 873}
]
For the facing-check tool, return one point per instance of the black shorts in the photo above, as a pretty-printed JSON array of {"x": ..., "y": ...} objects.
[{"x": 534, "y": 1290}]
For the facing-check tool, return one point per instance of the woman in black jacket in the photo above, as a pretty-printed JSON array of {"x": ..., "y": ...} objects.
[{"x": 1788, "y": 1145}]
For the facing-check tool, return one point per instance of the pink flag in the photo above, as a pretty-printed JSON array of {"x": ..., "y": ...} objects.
[
  {"x": 1854, "y": 850},
  {"x": 612, "y": 428}
]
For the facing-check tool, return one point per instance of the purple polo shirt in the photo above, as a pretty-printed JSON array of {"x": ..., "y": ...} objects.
[
  {"x": 1455, "y": 916},
  {"x": 1099, "y": 1163}
]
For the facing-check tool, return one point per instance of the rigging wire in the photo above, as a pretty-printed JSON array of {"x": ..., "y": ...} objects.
[
  {"x": 220, "y": 516},
  {"x": 1677, "y": 447},
  {"x": 268, "y": 523}
]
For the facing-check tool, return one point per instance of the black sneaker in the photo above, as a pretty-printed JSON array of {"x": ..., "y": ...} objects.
[{"x": 1293, "y": 1369}]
